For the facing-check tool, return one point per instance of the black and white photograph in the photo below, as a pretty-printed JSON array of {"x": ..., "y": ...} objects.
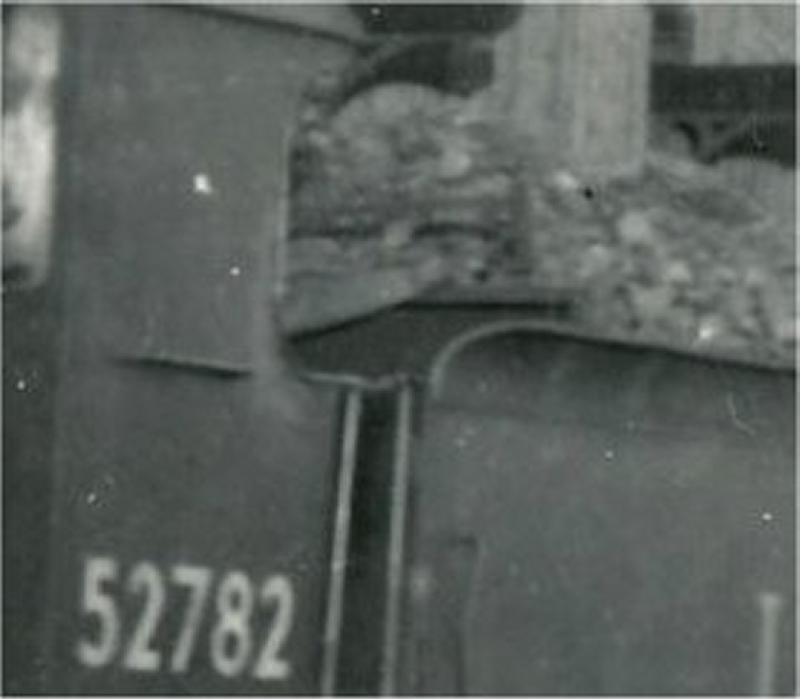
[{"x": 399, "y": 349}]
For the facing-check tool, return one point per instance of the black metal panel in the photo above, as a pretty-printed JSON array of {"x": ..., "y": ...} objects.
[
  {"x": 189, "y": 116},
  {"x": 728, "y": 111},
  {"x": 173, "y": 440},
  {"x": 721, "y": 89},
  {"x": 406, "y": 339},
  {"x": 459, "y": 65},
  {"x": 593, "y": 518},
  {"x": 365, "y": 601},
  {"x": 324, "y": 20},
  {"x": 30, "y": 332}
]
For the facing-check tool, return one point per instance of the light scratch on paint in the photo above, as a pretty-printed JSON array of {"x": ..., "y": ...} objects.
[{"x": 734, "y": 414}]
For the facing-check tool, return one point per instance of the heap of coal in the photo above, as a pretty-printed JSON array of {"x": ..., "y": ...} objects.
[{"x": 404, "y": 178}]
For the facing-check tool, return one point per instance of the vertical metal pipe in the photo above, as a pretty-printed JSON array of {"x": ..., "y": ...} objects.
[
  {"x": 397, "y": 541},
  {"x": 348, "y": 457}
]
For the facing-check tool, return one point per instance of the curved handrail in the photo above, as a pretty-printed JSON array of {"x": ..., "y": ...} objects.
[{"x": 448, "y": 354}]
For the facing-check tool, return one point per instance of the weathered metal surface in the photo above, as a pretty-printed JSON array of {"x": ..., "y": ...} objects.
[
  {"x": 30, "y": 334},
  {"x": 185, "y": 479},
  {"x": 406, "y": 339},
  {"x": 372, "y": 632},
  {"x": 719, "y": 89},
  {"x": 320, "y": 20},
  {"x": 459, "y": 65},
  {"x": 586, "y": 517},
  {"x": 596, "y": 518}
]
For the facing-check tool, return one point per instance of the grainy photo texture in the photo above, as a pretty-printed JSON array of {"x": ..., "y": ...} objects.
[{"x": 399, "y": 349}]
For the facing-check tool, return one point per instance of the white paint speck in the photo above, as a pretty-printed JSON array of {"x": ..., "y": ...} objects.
[
  {"x": 609, "y": 453},
  {"x": 566, "y": 181},
  {"x": 767, "y": 516},
  {"x": 421, "y": 583},
  {"x": 707, "y": 332},
  {"x": 235, "y": 271},
  {"x": 202, "y": 184},
  {"x": 21, "y": 385},
  {"x": 91, "y": 498}
]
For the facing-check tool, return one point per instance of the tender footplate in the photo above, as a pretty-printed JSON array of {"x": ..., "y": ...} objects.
[{"x": 598, "y": 518}]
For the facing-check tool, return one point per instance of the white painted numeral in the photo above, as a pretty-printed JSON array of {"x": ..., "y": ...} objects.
[
  {"x": 277, "y": 592},
  {"x": 230, "y": 640},
  {"x": 146, "y": 580},
  {"x": 98, "y": 602},
  {"x": 196, "y": 580}
]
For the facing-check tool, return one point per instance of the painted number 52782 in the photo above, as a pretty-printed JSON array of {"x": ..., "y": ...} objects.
[{"x": 231, "y": 645}]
